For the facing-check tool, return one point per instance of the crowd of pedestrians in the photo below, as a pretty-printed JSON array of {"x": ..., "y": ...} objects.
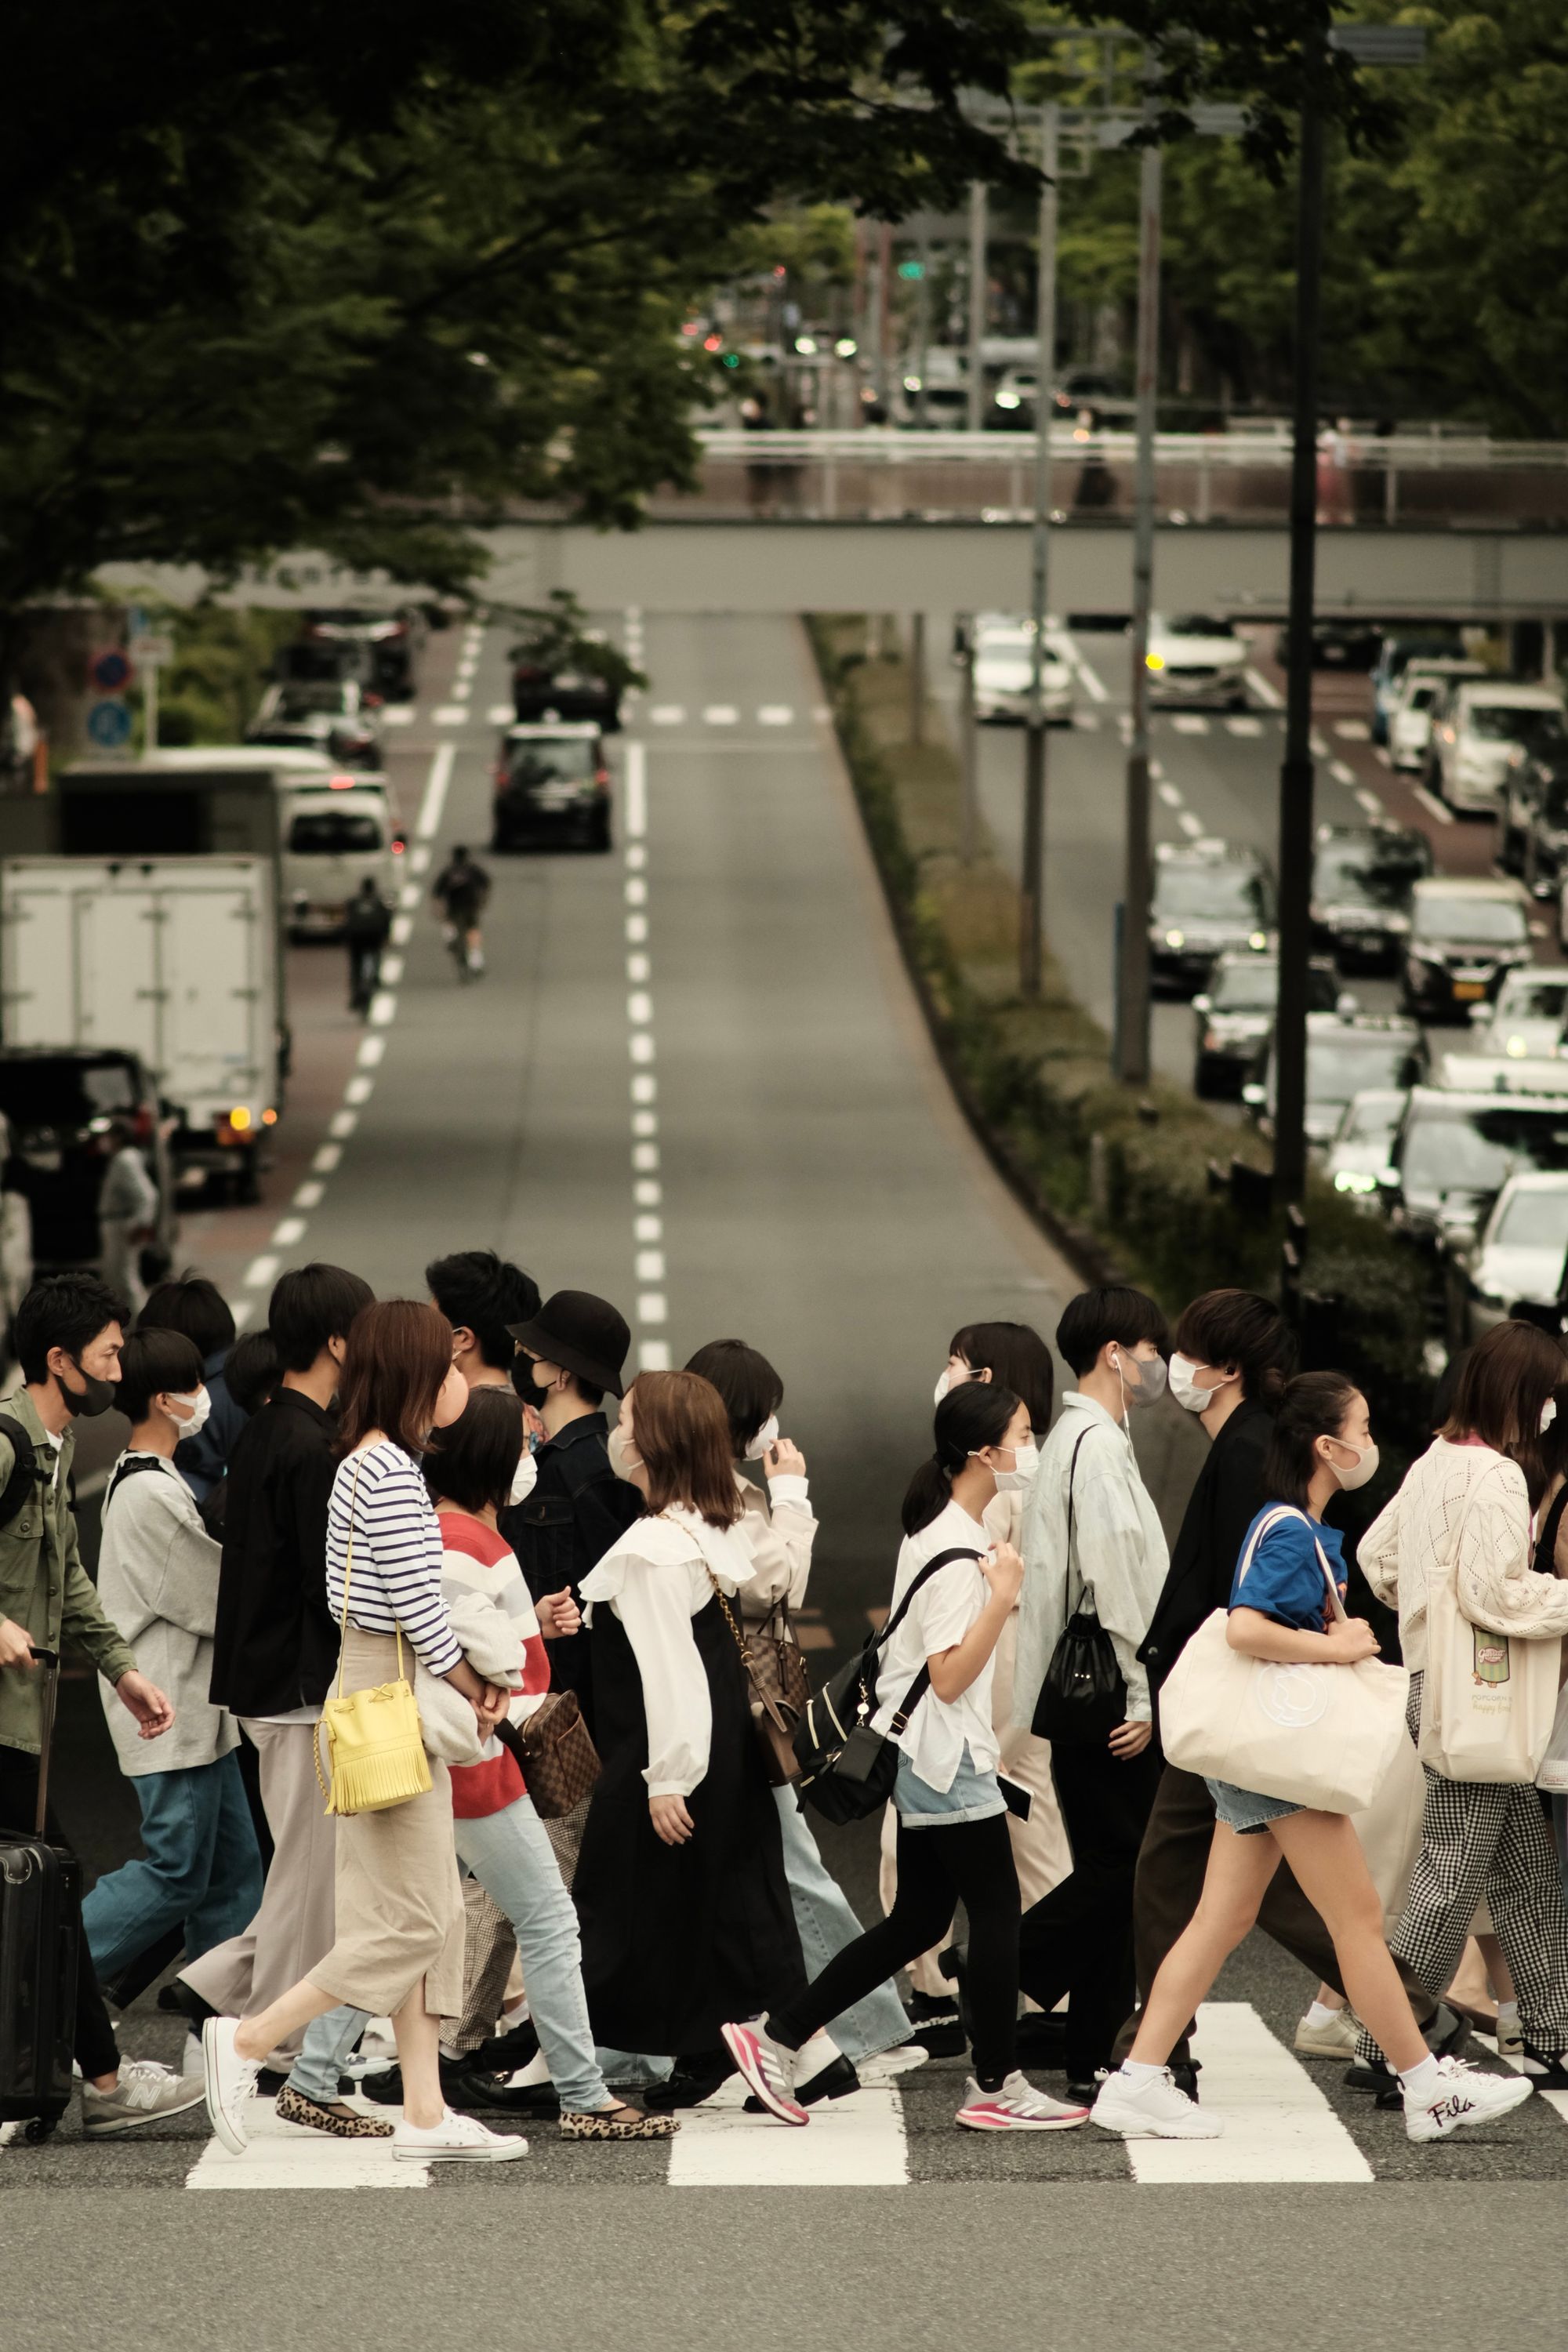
[{"x": 461, "y": 1717}]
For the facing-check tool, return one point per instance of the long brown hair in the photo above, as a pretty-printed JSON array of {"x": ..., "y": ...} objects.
[
  {"x": 683, "y": 1436},
  {"x": 1503, "y": 1383},
  {"x": 398, "y": 1354}
]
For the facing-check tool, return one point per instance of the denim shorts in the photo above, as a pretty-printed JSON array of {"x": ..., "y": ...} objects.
[
  {"x": 1244, "y": 1810},
  {"x": 974, "y": 1796}
]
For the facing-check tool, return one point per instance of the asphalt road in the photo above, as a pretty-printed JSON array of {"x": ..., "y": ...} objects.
[{"x": 807, "y": 1185}]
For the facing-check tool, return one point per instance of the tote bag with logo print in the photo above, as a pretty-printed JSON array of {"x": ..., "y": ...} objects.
[{"x": 1487, "y": 1699}]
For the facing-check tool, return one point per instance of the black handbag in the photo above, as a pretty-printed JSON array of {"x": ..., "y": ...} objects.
[
  {"x": 847, "y": 1770},
  {"x": 1084, "y": 1694}
]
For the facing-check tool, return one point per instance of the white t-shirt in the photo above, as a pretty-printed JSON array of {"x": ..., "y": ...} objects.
[{"x": 939, "y": 1616}]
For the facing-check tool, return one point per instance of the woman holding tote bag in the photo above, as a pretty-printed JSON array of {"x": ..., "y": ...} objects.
[
  {"x": 1281, "y": 1610},
  {"x": 1481, "y": 1630}
]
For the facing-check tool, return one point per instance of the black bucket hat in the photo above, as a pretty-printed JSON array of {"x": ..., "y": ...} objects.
[{"x": 583, "y": 1334}]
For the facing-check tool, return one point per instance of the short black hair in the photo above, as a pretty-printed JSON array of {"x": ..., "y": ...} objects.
[
  {"x": 1237, "y": 1326},
  {"x": 250, "y": 1371},
  {"x": 194, "y": 1305},
  {"x": 1015, "y": 1354},
  {"x": 484, "y": 1292},
  {"x": 156, "y": 1363},
  {"x": 473, "y": 1460},
  {"x": 311, "y": 1305},
  {"x": 748, "y": 1386},
  {"x": 1113, "y": 1312},
  {"x": 63, "y": 1310}
]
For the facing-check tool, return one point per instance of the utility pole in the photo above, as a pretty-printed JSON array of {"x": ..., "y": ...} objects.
[
  {"x": 977, "y": 292},
  {"x": 969, "y": 749},
  {"x": 1033, "y": 892},
  {"x": 1132, "y": 1024},
  {"x": 922, "y": 331}
]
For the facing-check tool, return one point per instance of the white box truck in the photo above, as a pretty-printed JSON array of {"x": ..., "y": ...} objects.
[{"x": 174, "y": 959}]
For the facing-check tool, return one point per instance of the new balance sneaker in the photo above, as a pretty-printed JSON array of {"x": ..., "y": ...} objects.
[
  {"x": 145, "y": 2093},
  {"x": 887, "y": 2064},
  {"x": 1463, "y": 2095},
  {"x": 768, "y": 2069},
  {"x": 230, "y": 2084},
  {"x": 1016, "y": 2107},
  {"x": 1333, "y": 2036},
  {"x": 1153, "y": 2108},
  {"x": 455, "y": 2139}
]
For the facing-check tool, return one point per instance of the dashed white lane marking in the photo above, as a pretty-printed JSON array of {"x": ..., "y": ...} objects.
[
  {"x": 433, "y": 805},
  {"x": 382, "y": 1012},
  {"x": 419, "y": 859},
  {"x": 667, "y": 714},
  {"x": 1385, "y": 759},
  {"x": 288, "y": 1230},
  {"x": 1169, "y": 794},
  {"x": 328, "y": 1157},
  {"x": 309, "y": 1195},
  {"x": 403, "y": 927},
  {"x": 359, "y": 1090},
  {"x": 652, "y": 1306},
  {"x": 774, "y": 714},
  {"x": 261, "y": 1271},
  {"x": 1353, "y": 730},
  {"x": 371, "y": 1050},
  {"x": 1269, "y": 696},
  {"x": 1277, "y": 2124},
  {"x": 1191, "y": 825},
  {"x": 1087, "y": 721},
  {"x": 1317, "y": 744},
  {"x": 502, "y": 714},
  {"x": 1093, "y": 684},
  {"x": 342, "y": 1124},
  {"x": 1189, "y": 722},
  {"x": 1431, "y": 805},
  {"x": 720, "y": 714},
  {"x": 451, "y": 714},
  {"x": 1238, "y": 724},
  {"x": 1342, "y": 771},
  {"x": 1371, "y": 803},
  {"x": 282, "y": 2156},
  {"x": 391, "y": 970},
  {"x": 853, "y": 2143}
]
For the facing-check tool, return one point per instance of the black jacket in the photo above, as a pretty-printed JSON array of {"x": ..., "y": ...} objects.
[
  {"x": 1220, "y": 1509},
  {"x": 577, "y": 1510},
  {"x": 274, "y": 1644}
]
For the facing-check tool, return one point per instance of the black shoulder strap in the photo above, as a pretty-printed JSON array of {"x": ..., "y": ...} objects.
[
  {"x": 921, "y": 1683},
  {"x": 1546, "y": 1548},
  {"x": 23, "y": 1468},
  {"x": 130, "y": 1468},
  {"x": 1072, "y": 1474}
]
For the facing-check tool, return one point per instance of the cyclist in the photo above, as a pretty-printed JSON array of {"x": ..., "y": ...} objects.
[{"x": 460, "y": 889}]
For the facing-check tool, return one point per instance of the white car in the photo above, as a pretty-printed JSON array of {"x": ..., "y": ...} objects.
[
  {"x": 1196, "y": 657},
  {"x": 334, "y": 838},
  {"x": 1004, "y": 645},
  {"x": 1519, "y": 1252},
  {"x": 1526, "y": 1018},
  {"x": 1415, "y": 698},
  {"x": 1475, "y": 727}
]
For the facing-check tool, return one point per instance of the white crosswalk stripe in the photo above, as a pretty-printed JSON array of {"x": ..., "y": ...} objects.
[
  {"x": 720, "y": 714},
  {"x": 667, "y": 714},
  {"x": 1189, "y": 722},
  {"x": 502, "y": 714},
  {"x": 774, "y": 714},
  {"x": 1240, "y": 724},
  {"x": 282, "y": 2156},
  {"x": 398, "y": 714},
  {"x": 853, "y": 2143},
  {"x": 1277, "y": 2124},
  {"x": 450, "y": 714},
  {"x": 1353, "y": 730}
]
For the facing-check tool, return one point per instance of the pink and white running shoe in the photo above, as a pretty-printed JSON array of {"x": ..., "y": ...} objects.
[
  {"x": 1016, "y": 2107},
  {"x": 766, "y": 2066}
]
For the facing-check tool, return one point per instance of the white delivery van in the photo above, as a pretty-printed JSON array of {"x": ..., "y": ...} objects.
[
  {"x": 337, "y": 832},
  {"x": 172, "y": 958}
]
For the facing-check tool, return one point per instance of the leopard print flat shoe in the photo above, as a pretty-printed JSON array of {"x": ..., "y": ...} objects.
[
  {"x": 620, "y": 2122},
  {"x": 342, "y": 2121}
]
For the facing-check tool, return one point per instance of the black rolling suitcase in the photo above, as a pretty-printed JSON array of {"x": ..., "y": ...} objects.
[{"x": 40, "y": 1913}]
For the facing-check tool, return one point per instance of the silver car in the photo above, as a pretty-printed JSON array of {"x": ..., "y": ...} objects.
[{"x": 1519, "y": 1253}]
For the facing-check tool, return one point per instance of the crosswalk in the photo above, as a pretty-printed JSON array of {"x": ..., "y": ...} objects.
[{"x": 1286, "y": 2122}]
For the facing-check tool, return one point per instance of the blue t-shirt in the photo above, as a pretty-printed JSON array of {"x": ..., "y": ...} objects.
[{"x": 1284, "y": 1579}]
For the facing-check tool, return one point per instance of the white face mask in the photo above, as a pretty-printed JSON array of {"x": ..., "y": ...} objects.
[
  {"x": 1364, "y": 1467},
  {"x": 1025, "y": 1462},
  {"x": 624, "y": 1460},
  {"x": 525, "y": 1474},
  {"x": 1186, "y": 1387},
  {"x": 765, "y": 1438},
  {"x": 1548, "y": 1414},
  {"x": 197, "y": 1405}
]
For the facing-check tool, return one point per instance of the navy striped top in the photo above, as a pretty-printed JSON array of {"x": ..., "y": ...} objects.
[{"x": 396, "y": 1576}]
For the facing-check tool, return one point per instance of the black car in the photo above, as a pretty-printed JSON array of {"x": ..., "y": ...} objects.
[
  {"x": 543, "y": 687},
  {"x": 1207, "y": 900},
  {"x": 1234, "y": 1018},
  {"x": 1362, "y": 879},
  {"x": 382, "y": 646},
  {"x": 1465, "y": 936},
  {"x": 1337, "y": 645},
  {"x": 1533, "y": 840},
  {"x": 552, "y": 790},
  {"x": 58, "y": 1104}
]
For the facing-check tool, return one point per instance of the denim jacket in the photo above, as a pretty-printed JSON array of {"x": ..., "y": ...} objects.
[{"x": 44, "y": 1586}]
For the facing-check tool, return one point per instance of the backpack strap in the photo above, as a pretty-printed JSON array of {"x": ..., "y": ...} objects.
[
  {"x": 25, "y": 1469},
  {"x": 131, "y": 1466}
]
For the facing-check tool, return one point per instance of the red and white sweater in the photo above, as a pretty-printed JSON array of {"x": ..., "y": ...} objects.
[{"x": 475, "y": 1559}]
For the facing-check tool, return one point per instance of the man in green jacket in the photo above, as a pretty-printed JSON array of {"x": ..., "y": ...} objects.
[{"x": 67, "y": 1335}]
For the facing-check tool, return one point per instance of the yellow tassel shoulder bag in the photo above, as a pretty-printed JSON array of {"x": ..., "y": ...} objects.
[{"x": 374, "y": 1746}]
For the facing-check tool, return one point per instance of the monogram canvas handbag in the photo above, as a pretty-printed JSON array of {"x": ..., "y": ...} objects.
[{"x": 1325, "y": 1737}]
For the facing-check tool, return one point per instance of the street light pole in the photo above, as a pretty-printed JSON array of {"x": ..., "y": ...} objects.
[
  {"x": 1032, "y": 906},
  {"x": 1132, "y": 992},
  {"x": 977, "y": 291}
]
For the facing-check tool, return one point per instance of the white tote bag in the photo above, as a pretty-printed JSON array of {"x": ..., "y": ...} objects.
[
  {"x": 1553, "y": 1774},
  {"x": 1323, "y": 1736},
  {"x": 1488, "y": 1700}
]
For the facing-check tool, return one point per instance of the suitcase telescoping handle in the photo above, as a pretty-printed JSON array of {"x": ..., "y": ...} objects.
[{"x": 51, "y": 1661}]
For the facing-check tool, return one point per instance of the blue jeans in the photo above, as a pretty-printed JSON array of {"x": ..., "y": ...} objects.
[
  {"x": 317, "y": 2072},
  {"x": 511, "y": 1855},
  {"x": 202, "y": 1869},
  {"x": 826, "y": 1925}
]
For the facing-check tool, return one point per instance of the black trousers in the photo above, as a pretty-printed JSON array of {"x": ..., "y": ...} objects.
[
  {"x": 1077, "y": 1940},
  {"x": 96, "y": 2051},
  {"x": 966, "y": 1862}
]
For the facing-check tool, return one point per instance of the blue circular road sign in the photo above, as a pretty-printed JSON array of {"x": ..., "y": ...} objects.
[{"x": 109, "y": 724}]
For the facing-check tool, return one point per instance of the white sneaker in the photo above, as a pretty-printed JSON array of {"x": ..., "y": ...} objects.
[
  {"x": 1464, "y": 2096},
  {"x": 1151, "y": 2109},
  {"x": 230, "y": 2082},
  {"x": 455, "y": 2139},
  {"x": 191, "y": 2059},
  {"x": 1336, "y": 2037},
  {"x": 144, "y": 2093},
  {"x": 768, "y": 2069},
  {"x": 1510, "y": 2039},
  {"x": 889, "y": 2063},
  {"x": 1016, "y": 2107}
]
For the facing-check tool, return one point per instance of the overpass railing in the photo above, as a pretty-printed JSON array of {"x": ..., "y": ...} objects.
[{"x": 882, "y": 473}]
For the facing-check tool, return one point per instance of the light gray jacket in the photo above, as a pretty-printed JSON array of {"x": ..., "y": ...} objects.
[{"x": 157, "y": 1583}]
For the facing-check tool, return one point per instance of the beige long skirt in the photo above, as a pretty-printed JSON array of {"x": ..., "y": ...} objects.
[{"x": 399, "y": 1894}]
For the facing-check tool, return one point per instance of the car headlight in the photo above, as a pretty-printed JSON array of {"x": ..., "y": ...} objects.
[
  {"x": 1153, "y": 661},
  {"x": 1353, "y": 1179},
  {"x": 1258, "y": 939},
  {"x": 1175, "y": 938}
]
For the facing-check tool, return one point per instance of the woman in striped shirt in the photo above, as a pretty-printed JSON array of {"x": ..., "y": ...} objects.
[{"x": 399, "y": 1943}]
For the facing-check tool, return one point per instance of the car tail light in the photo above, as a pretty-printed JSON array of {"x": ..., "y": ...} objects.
[
  {"x": 602, "y": 778},
  {"x": 340, "y": 783},
  {"x": 142, "y": 1125},
  {"x": 398, "y": 844}
]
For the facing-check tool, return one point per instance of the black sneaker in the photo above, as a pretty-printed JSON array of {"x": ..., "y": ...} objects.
[
  {"x": 682, "y": 2090},
  {"x": 470, "y": 2089},
  {"x": 508, "y": 2053},
  {"x": 938, "y": 2026},
  {"x": 1547, "y": 2069}
]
